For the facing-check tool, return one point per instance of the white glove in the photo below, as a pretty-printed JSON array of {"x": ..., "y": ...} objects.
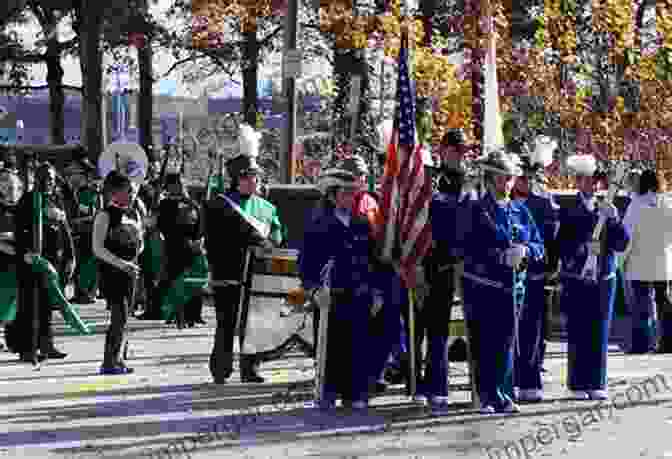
[
  {"x": 515, "y": 255},
  {"x": 377, "y": 305},
  {"x": 595, "y": 247},
  {"x": 608, "y": 210}
]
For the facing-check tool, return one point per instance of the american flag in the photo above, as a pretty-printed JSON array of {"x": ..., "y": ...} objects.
[{"x": 406, "y": 189}]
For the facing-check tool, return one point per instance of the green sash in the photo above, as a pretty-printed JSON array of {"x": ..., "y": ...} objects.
[
  {"x": 8, "y": 295},
  {"x": 88, "y": 274},
  {"x": 152, "y": 256},
  {"x": 68, "y": 311},
  {"x": 185, "y": 287}
]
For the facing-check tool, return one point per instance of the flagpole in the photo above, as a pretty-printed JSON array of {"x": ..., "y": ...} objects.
[{"x": 411, "y": 291}]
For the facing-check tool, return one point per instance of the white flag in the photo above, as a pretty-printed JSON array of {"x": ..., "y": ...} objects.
[{"x": 493, "y": 137}]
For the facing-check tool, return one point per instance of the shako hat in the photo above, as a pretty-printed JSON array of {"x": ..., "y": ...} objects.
[
  {"x": 248, "y": 150},
  {"x": 336, "y": 177},
  {"x": 500, "y": 162}
]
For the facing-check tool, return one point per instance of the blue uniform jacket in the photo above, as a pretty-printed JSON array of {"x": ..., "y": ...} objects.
[
  {"x": 487, "y": 232},
  {"x": 546, "y": 214},
  {"x": 576, "y": 231},
  {"x": 327, "y": 237},
  {"x": 445, "y": 212}
]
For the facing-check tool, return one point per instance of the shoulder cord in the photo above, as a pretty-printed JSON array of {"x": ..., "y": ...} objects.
[{"x": 325, "y": 274}]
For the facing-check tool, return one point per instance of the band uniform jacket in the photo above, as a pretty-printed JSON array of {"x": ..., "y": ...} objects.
[
  {"x": 179, "y": 220},
  {"x": 577, "y": 223},
  {"x": 228, "y": 236},
  {"x": 57, "y": 245},
  {"x": 486, "y": 234},
  {"x": 546, "y": 213}
]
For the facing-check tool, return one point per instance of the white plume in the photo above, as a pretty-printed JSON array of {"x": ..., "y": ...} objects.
[
  {"x": 248, "y": 141},
  {"x": 582, "y": 164},
  {"x": 543, "y": 151}
]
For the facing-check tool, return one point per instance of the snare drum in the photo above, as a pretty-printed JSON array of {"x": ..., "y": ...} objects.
[{"x": 11, "y": 187}]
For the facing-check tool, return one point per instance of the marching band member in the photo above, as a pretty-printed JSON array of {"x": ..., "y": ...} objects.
[
  {"x": 11, "y": 189},
  {"x": 588, "y": 305},
  {"x": 338, "y": 248},
  {"x": 645, "y": 283},
  {"x": 228, "y": 251},
  {"x": 86, "y": 276},
  {"x": 498, "y": 237},
  {"x": 179, "y": 222},
  {"x": 529, "y": 360},
  {"x": 117, "y": 242},
  {"x": 445, "y": 210},
  {"x": 58, "y": 249}
]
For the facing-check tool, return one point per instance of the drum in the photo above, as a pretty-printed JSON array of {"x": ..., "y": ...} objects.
[{"x": 11, "y": 187}]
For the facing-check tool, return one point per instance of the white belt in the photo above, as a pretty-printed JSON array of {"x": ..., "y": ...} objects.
[
  {"x": 484, "y": 281},
  {"x": 212, "y": 283},
  {"x": 580, "y": 277}
]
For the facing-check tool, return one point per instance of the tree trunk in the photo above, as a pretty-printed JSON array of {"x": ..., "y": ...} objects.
[
  {"x": 91, "y": 63},
  {"x": 250, "y": 68},
  {"x": 56, "y": 92},
  {"x": 427, "y": 7},
  {"x": 346, "y": 64},
  {"x": 145, "y": 99}
]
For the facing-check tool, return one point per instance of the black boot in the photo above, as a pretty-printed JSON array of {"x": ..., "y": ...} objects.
[{"x": 248, "y": 370}]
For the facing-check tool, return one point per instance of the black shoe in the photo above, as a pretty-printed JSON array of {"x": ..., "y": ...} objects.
[
  {"x": 378, "y": 387},
  {"x": 29, "y": 357},
  {"x": 251, "y": 378},
  {"x": 54, "y": 354},
  {"x": 148, "y": 316},
  {"x": 457, "y": 352}
]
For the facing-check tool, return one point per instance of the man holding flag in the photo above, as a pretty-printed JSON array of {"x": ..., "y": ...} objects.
[{"x": 406, "y": 192}]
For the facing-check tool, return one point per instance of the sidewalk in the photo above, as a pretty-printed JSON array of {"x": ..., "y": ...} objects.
[{"x": 67, "y": 410}]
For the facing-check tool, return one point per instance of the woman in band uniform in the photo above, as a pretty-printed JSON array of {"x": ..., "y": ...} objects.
[{"x": 117, "y": 242}]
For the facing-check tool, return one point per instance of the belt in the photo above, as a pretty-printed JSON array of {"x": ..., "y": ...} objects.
[
  {"x": 217, "y": 283},
  {"x": 580, "y": 277},
  {"x": 484, "y": 281}
]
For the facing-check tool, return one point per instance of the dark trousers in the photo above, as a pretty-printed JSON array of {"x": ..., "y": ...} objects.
[
  {"x": 177, "y": 261},
  {"x": 24, "y": 334},
  {"x": 118, "y": 299},
  {"x": 589, "y": 310},
  {"x": 348, "y": 344},
  {"x": 436, "y": 314},
  {"x": 643, "y": 327},
  {"x": 664, "y": 312},
  {"x": 528, "y": 359},
  {"x": 384, "y": 326},
  {"x": 227, "y": 300}
]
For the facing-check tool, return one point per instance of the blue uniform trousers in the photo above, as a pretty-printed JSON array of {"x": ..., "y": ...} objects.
[
  {"x": 491, "y": 310},
  {"x": 529, "y": 359},
  {"x": 589, "y": 310},
  {"x": 386, "y": 327},
  {"x": 348, "y": 357},
  {"x": 643, "y": 337},
  {"x": 436, "y": 314}
]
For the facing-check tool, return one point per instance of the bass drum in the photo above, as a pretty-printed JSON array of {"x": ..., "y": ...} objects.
[{"x": 11, "y": 187}]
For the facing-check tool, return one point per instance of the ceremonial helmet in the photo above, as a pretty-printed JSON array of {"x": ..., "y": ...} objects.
[
  {"x": 582, "y": 165},
  {"x": 337, "y": 178},
  {"x": 248, "y": 151},
  {"x": 500, "y": 162},
  {"x": 354, "y": 164},
  {"x": 534, "y": 163}
]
